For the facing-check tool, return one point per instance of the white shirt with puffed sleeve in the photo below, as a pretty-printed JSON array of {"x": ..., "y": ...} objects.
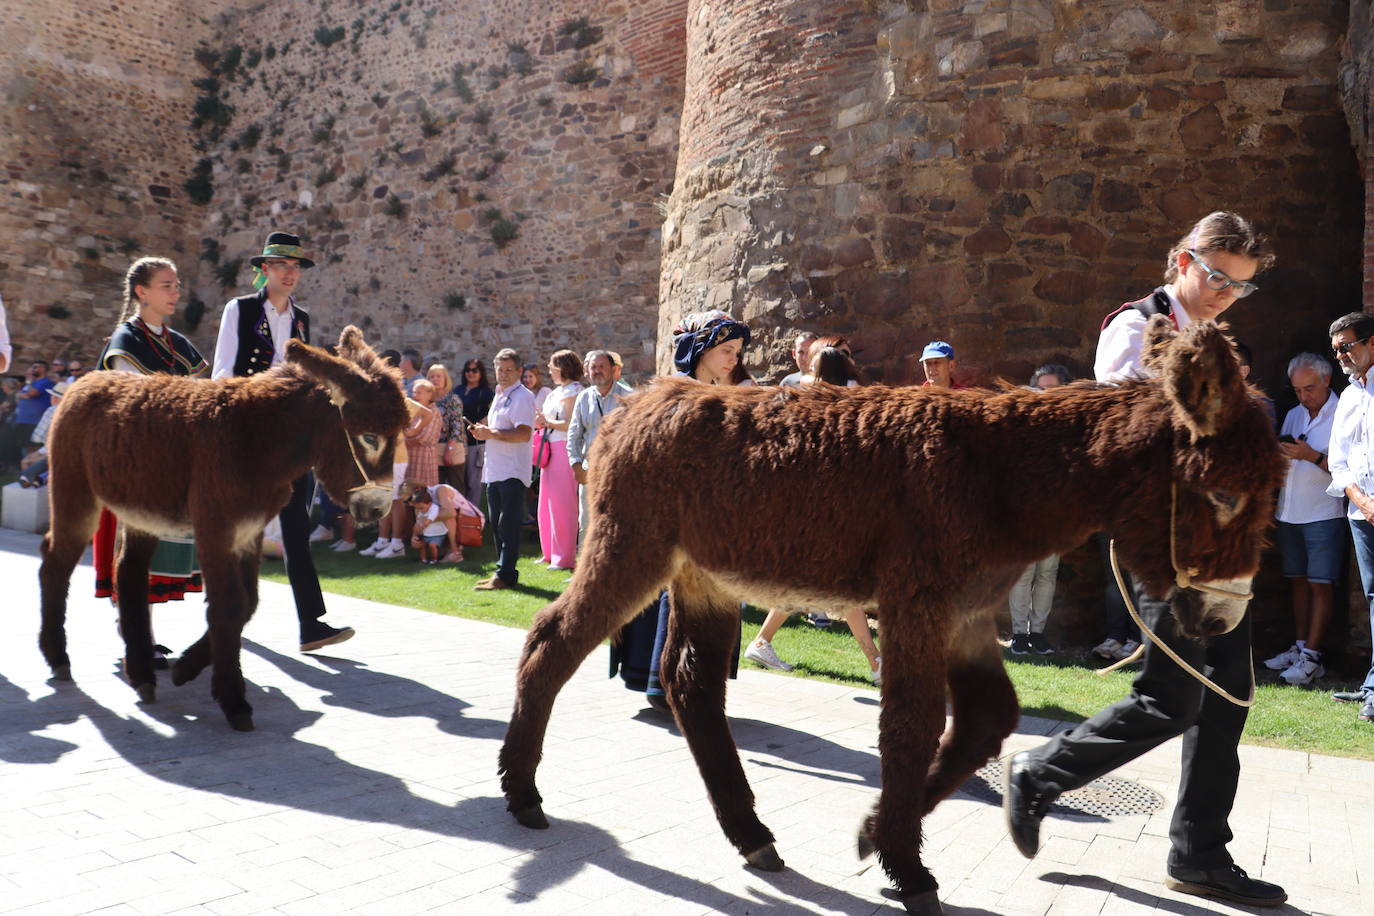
[{"x": 1123, "y": 340}]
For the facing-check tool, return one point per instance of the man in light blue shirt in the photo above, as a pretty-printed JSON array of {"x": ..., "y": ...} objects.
[{"x": 589, "y": 410}]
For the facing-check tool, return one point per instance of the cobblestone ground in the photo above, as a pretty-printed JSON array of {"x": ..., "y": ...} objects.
[{"x": 370, "y": 787}]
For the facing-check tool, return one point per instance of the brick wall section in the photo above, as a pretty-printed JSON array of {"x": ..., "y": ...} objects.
[
  {"x": 1002, "y": 174},
  {"x": 93, "y": 153},
  {"x": 577, "y": 167}
]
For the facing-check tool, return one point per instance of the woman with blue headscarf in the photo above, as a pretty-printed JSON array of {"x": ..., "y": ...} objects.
[{"x": 706, "y": 347}]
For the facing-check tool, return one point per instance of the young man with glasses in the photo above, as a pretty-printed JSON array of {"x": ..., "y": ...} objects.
[
  {"x": 1207, "y": 271},
  {"x": 1351, "y": 461},
  {"x": 253, "y": 333}
]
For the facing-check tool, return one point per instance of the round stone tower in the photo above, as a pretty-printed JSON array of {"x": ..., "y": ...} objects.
[{"x": 1002, "y": 173}]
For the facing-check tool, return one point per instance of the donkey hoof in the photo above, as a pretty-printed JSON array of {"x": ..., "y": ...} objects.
[
  {"x": 62, "y": 673},
  {"x": 765, "y": 858},
  {"x": 926, "y": 903},
  {"x": 147, "y": 693},
  {"x": 532, "y": 817},
  {"x": 241, "y": 721},
  {"x": 865, "y": 846}
]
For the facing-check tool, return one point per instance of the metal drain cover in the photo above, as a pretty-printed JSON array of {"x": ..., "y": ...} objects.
[{"x": 1109, "y": 796}]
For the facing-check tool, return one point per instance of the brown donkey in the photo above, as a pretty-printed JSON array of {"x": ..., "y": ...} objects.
[
  {"x": 938, "y": 494},
  {"x": 180, "y": 456}
]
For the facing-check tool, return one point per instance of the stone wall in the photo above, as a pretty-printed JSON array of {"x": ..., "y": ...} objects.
[
  {"x": 401, "y": 140},
  {"x": 93, "y": 152},
  {"x": 1001, "y": 173}
]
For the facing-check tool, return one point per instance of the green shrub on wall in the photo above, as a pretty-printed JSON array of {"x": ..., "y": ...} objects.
[
  {"x": 326, "y": 36},
  {"x": 200, "y": 187}
]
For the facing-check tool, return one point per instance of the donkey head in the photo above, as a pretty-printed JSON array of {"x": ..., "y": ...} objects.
[
  {"x": 1205, "y": 523},
  {"x": 354, "y": 452}
]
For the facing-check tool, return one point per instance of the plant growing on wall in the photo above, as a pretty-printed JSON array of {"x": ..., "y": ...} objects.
[
  {"x": 394, "y": 206},
  {"x": 580, "y": 72},
  {"x": 250, "y": 136},
  {"x": 192, "y": 314},
  {"x": 325, "y": 175},
  {"x": 441, "y": 168},
  {"x": 583, "y": 33},
  {"x": 326, "y": 36},
  {"x": 210, "y": 250},
  {"x": 200, "y": 187},
  {"x": 503, "y": 231},
  {"x": 59, "y": 312},
  {"x": 455, "y": 302},
  {"x": 227, "y": 273},
  {"x": 460, "y": 83},
  {"x": 430, "y": 126}
]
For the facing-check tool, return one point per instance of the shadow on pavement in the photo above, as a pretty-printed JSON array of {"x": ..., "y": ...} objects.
[
  {"x": 195, "y": 750},
  {"x": 21, "y": 717},
  {"x": 353, "y": 685}
]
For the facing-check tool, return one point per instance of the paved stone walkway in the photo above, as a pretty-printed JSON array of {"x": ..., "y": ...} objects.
[{"x": 370, "y": 787}]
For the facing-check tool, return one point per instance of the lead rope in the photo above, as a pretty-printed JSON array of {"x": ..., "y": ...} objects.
[
  {"x": 1184, "y": 580},
  {"x": 368, "y": 483}
]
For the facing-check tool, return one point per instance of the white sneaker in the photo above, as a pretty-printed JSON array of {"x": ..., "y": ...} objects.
[
  {"x": 1127, "y": 650},
  {"x": 344, "y": 547},
  {"x": 1107, "y": 648},
  {"x": 1304, "y": 671},
  {"x": 876, "y": 676},
  {"x": 762, "y": 652},
  {"x": 374, "y": 548},
  {"x": 321, "y": 533},
  {"x": 1284, "y": 660},
  {"x": 391, "y": 551}
]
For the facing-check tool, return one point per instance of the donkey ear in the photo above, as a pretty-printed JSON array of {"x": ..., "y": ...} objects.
[
  {"x": 1159, "y": 333},
  {"x": 350, "y": 342},
  {"x": 1202, "y": 379},
  {"x": 339, "y": 376}
]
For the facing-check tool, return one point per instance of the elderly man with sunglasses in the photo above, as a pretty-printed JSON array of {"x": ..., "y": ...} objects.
[{"x": 1351, "y": 461}]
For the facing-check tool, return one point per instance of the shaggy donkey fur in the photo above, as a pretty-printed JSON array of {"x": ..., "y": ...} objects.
[
  {"x": 936, "y": 494},
  {"x": 180, "y": 456}
]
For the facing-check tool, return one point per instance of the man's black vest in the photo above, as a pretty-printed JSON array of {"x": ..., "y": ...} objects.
[
  {"x": 256, "y": 347},
  {"x": 1157, "y": 303}
]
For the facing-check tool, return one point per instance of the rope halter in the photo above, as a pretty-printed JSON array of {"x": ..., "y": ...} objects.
[{"x": 368, "y": 483}]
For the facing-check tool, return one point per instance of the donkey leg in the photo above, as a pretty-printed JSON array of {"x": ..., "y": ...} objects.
[
  {"x": 135, "y": 617},
  {"x": 196, "y": 657},
  {"x": 985, "y": 709},
  {"x": 615, "y": 578},
  {"x": 696, "y": 663},
  {"x": 74, "y": 518},
  {"x": 910, "y": 724},
  {"x": 227, "y": 611}
]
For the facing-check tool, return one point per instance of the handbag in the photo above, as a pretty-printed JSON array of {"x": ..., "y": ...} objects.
[
  {"x": 541, "y": 448},
  {"x": 470, "y": 530},
  {"x": 455, "y": 452}
]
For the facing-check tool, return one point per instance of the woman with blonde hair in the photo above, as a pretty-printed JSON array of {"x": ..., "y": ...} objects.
[{"x": 450, "y": 406}]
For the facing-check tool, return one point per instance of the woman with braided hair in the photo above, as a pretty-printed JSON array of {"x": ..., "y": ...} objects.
[{"x": 143, "y": 343}]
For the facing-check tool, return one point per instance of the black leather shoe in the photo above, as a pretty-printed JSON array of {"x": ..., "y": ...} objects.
[
  {"x": 1023, "y": 805},
  {"x": 322, "y": 634},
  {"x": 1229, "y": 882}
]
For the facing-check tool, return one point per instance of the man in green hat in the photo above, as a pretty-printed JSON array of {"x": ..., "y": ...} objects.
[{"x": 253, "y": 333}]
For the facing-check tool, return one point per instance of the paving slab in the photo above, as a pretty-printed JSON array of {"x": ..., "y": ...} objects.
[{"x": 370, "y": 786}]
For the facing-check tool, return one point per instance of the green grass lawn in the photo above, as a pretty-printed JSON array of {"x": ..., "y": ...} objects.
[{"x": 1061, "y": 686}]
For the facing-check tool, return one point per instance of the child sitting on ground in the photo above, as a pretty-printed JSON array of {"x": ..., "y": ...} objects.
[{"x": 430, "y": 533}]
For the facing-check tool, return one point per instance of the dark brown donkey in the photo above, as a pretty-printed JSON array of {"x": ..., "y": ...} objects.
[
  {"x": 179, "y": 456},
  {"x": 938, "y": 502}
]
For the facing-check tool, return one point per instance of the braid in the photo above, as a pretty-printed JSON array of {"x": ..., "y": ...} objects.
[{"x": 139, "y": 273}]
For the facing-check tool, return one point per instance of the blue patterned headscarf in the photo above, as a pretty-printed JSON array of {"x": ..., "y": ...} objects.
[{"x": 701, "y": 331}]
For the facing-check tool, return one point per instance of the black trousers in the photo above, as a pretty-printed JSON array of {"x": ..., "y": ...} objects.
[
  {"x": 295, "y": 546},
  {"x": 1166, "y": 701},
  {"x": 506, "y": 507}
]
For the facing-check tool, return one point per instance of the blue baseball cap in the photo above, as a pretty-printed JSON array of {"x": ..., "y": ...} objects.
[{"x": 937, "y": 349}]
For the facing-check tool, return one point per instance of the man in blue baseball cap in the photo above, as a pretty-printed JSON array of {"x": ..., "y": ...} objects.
[{"x": 937, "y": 359}]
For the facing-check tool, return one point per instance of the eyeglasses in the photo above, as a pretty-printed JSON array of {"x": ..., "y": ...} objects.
[
  {"x": 1345, "y": 348},
  {"x": 1219, "y": 281},
  {"x": 471, "y": 369}
]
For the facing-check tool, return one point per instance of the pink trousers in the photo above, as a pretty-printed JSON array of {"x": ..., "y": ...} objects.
[{"x": 558, "y": 509}]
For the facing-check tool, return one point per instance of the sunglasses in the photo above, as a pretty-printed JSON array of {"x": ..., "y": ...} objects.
[
  {"x": 1345, "y": 348},
  {"x": 470, "y": 369}
]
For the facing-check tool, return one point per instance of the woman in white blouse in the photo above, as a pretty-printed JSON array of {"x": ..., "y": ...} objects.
[{"x": 557, "y": 485}]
